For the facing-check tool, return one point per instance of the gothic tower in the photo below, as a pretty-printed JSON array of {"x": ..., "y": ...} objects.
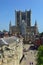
[
  {"x": 10, "y": 27},
  {"x": 28, "y": 16},
  {"x": 36, "y": 28},
  {"x": 20, "y": 16}
]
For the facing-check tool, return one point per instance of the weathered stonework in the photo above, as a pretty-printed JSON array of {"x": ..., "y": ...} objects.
[{"x": 11, "y": 53}]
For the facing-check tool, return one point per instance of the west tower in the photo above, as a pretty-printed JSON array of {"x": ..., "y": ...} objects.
[{"x": 20, "y": 16}]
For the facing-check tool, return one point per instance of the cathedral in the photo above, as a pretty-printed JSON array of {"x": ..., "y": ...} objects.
[{"x": 23, "y": 25}]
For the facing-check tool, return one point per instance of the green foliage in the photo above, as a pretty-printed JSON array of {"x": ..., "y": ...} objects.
[
  {"x": 40, "y": 48},
  {"x": 4, "y": 30},
  {"x": 40, "y": 55}
]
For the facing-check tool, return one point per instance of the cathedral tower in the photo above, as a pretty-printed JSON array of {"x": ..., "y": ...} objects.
[{"x": 20, "y": 16}]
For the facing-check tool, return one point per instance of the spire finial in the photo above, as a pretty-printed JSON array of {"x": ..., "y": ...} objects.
[
  {"x": 35, "y": 23},
  {"x": 10, "y": 24}
]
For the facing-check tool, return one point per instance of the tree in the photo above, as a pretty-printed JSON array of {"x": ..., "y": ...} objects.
[
  {"x": 41, "y": 34},
  {"x": 4, "y": 31},
  {"x": 40, "y": 55}
]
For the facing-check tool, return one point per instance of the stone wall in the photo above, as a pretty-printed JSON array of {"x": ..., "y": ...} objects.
[{"x": 12, "y": 53}]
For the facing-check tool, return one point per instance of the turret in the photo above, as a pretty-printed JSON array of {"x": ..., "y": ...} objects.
[
  {"x": 29, "y": 18},
  {"x": 35, "y": 23},
  {"x": 36, "y": 28},
  {"x": 10, "y": 24},
  {"x": 10, "y": 27}
]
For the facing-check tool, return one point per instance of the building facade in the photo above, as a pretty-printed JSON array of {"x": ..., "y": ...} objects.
[{"x": 23, "y": 25}]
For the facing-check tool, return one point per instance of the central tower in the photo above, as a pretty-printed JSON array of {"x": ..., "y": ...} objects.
[{"x": 20, "y": 16}]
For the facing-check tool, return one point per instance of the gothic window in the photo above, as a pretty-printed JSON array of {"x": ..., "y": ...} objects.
[{"x": 23, "y": 16}]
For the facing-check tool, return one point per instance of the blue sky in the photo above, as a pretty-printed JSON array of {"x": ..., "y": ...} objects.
[{"x": 8, "y": 7}]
